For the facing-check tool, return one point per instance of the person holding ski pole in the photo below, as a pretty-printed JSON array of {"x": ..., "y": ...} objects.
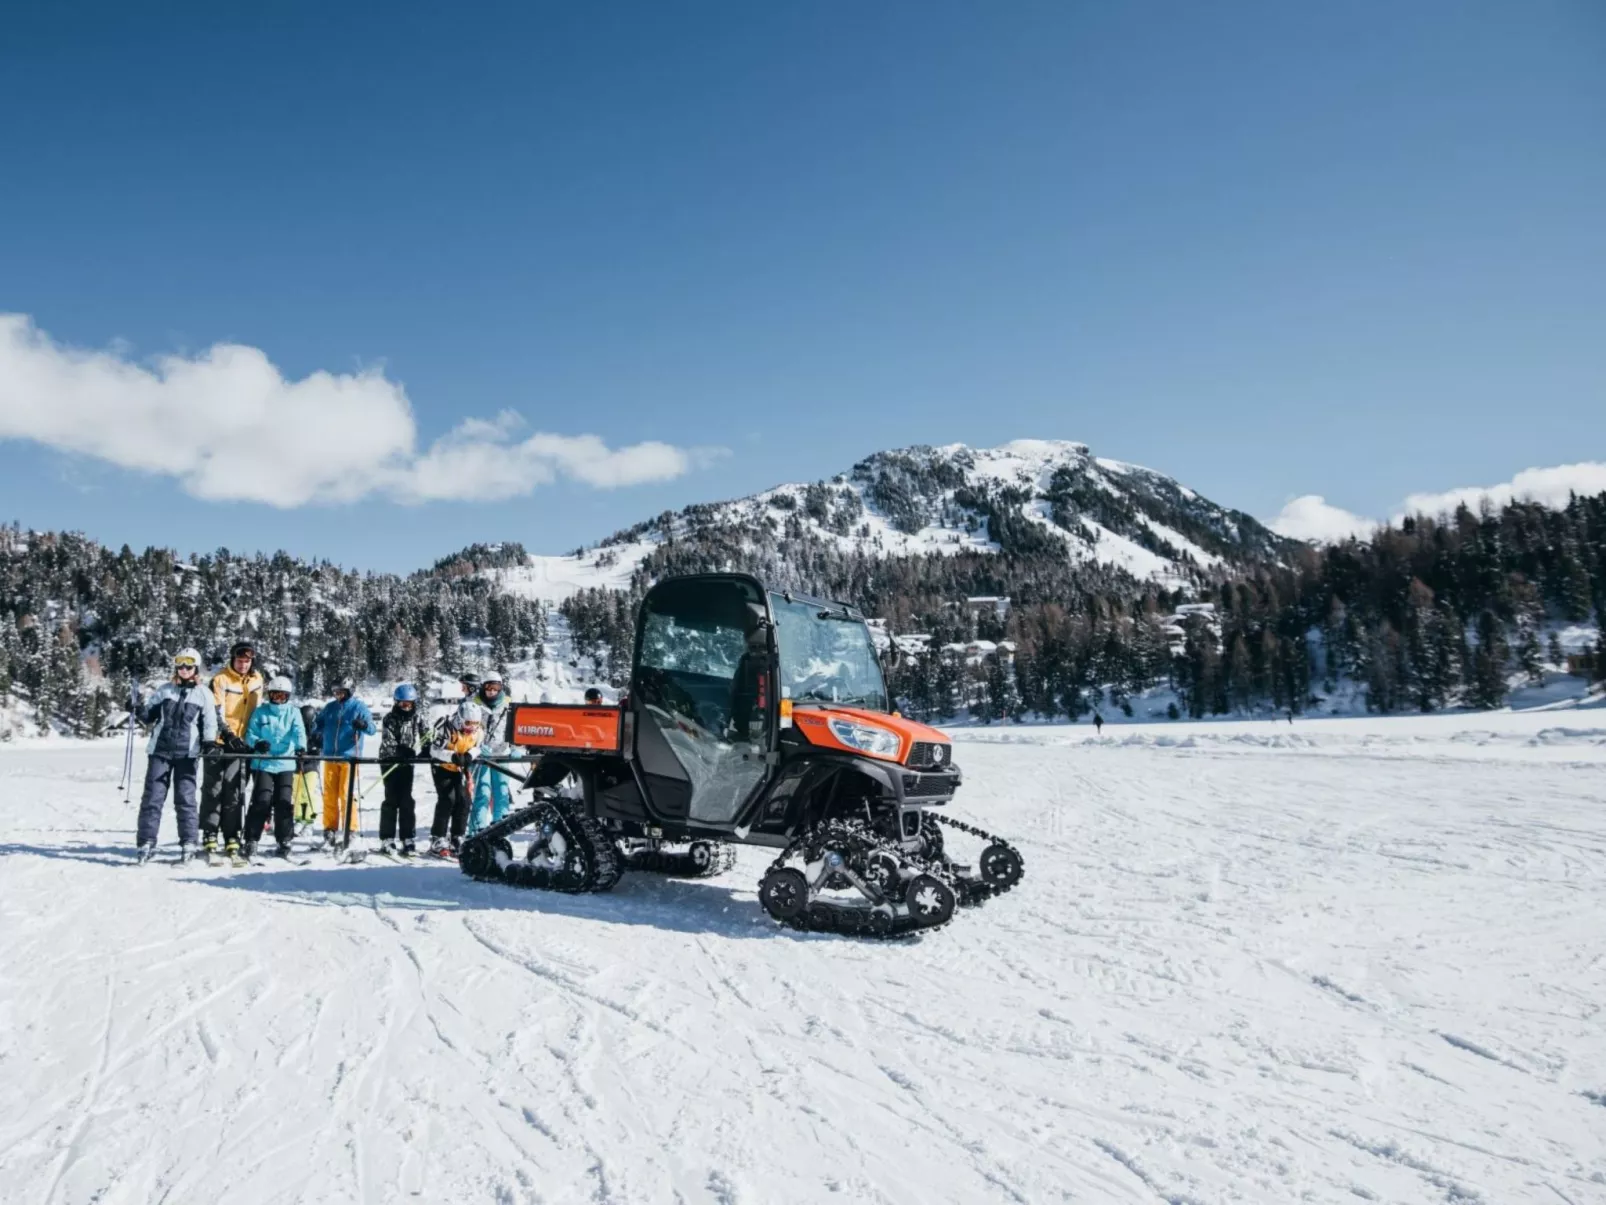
[
  {"x": 185, "y": 726},
  {"x": 453, "y": 755},
  {"x": 402, "y": 735},
  {"x": 277, "y": 733},
  {"x": 341, "y": 725},
  {"x": 236, "y": 691},
  {"x": 492, "y": 792},
  {"x": 308, "y": 783}
]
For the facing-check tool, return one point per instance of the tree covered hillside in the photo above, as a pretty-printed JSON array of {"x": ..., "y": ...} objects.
[
  {"x": 1431, "y": 613},
  {"x": 77, "y": 620}
]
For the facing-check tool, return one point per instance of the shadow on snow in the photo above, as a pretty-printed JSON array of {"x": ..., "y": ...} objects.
[{"x": 641, "y": 898}]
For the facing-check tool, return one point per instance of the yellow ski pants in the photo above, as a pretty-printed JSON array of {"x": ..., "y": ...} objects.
[{"x": 336, "y": 776}]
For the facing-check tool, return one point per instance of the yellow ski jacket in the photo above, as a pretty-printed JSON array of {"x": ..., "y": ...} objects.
[{"x": 236, "y": 698}]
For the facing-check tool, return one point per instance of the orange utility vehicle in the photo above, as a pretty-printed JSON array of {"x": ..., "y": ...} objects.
[{"x": 754, "y": 716}]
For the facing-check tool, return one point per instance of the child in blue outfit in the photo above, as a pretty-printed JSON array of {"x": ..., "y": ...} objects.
[{"x": 277, "y": 732}]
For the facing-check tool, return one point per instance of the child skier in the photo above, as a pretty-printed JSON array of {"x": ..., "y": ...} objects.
[
  {"x": 341, "y": 725},
  {"x": 276, "y": 730},
  {"x": 454, "y": 752},
  {"x": 493, "y": 792},
  {"x": 402, "y": 735},
  {"x": 186, "y": 724}
]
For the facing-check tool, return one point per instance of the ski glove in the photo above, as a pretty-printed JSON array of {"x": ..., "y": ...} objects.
[
  {"x": 261, "y": 746},
  {"x": 359, "y": 726},
  {"x": 463, "y": 759}
]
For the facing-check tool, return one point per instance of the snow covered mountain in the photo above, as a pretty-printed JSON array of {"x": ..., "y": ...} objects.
[{"x": 1049, "y": 499}]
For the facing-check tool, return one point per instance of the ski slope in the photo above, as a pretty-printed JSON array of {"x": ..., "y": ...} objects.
[{"x": 1335, "y": 961}]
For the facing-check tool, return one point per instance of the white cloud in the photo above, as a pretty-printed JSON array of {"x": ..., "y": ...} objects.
[
  {"x": 229, "y": 426},
  {"x": 1550, "y": 487},
  {"x": 1313, "y": 518}
]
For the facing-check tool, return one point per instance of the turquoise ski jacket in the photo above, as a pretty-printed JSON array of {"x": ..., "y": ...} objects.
[{"x": 280, "y": 725}]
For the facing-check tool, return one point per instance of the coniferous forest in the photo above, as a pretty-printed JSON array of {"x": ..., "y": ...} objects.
[
  {"x": 78, "y": 621},
  {"x": 1431, "y": 613}
]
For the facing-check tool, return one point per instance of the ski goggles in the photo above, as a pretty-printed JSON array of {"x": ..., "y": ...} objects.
[{"x": 186, "y": 663}]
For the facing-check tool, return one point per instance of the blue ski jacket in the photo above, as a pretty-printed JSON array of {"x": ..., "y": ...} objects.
[
  {"x": 280, "y": 725},
  {"x": 337, "y": 723},
  {"x": 184, "y": 717}
]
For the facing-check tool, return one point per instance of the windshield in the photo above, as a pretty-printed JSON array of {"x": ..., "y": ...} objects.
[{"x": 826, "y": 655}]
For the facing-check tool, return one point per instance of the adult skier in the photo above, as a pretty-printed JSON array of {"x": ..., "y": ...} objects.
[
  {"x": 493, "y": 792},
  {"x": 453, "y": 756},
  {"x": 185, "y": 725},
  {"x": 341, "y": 725},
  {"x": 277, "y": 732},
  {"x": 236, "y": 691},
  {"x": 402, "y": 735}
]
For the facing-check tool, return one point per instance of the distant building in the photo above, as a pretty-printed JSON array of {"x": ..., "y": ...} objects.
[{"x": 995, "y": 604}]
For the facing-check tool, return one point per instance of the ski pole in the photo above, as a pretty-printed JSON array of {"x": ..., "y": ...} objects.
[{"x": 128, "y": 744}]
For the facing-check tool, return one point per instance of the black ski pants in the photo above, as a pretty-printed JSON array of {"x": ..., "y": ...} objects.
[
  {"x": 159, "y": 772},
  {"x": 274, "y": 794},
  {"x": 223, "y": 796},
  {"x": 398, "y": 803},
  {"x": 452, "y": 802}
]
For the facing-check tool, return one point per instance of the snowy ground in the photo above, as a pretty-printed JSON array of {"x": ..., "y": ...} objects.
[{"x": 1334, "y": 961}]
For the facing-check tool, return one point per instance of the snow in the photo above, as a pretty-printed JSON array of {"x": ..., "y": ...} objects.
[
  {"x": 1339, "y": 960},
  {"x": 555, "y": 578}
]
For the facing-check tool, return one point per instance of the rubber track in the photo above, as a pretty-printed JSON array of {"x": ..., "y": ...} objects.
[
  {"x": 679, "y": 864},
  {"x": 864, "y": 920},
  {"x": 970, "y": 892},
  {"x": 478, "y": 856}
]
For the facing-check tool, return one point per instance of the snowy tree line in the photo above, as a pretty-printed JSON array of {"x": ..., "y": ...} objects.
[
  {"x": 1430, "y": 613},
  {"x": 78, "y": 620}
]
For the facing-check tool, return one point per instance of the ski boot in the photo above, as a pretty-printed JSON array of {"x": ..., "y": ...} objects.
[
  {"x": 249, "y": 851},
  {"x": 283, "y": 850},
  {"x": 440, "y": 848},
  {"x": 231, "y": 850},
  {"x": 187, "y": 852},
  {"x": 409, "y": 849},
  {"x": 147, "y": 851},
  {"x": 389, "y": 849},
  {"x": 329, "y": 840}
]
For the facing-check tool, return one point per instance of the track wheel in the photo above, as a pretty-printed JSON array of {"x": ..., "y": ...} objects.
[
  {"x": 1000, "y": 867},
  {"x": 883, "y": 872},
  {"x": 784, "y": 893},
  {"x": 930, "y": 900},
  {"x": 704, "y": 856}
]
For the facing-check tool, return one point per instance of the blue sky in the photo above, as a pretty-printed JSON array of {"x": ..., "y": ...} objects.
[{"x": 1271, "y": 249}]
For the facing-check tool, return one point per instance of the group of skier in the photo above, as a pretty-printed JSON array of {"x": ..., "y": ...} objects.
[{"x": 279, "y": 747}]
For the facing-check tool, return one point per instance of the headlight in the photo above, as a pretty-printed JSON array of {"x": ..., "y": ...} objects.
[{"x": 867, "y": 738}]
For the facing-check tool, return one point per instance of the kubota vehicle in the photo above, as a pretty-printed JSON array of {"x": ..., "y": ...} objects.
[{"x": 758, "y": 717}]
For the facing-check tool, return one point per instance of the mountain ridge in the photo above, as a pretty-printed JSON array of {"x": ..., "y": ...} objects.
[{"x": 1030, "y": 498}]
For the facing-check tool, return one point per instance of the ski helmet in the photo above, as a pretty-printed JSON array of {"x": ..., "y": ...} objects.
[
  {"x": 345, "y": 684},
  {"x": 491, "y": 676},
  {"x": 593, "y": 695},
  {"x": 471, "y": 681},
  {"x": 281, "y": 686},
  {"x": 187, "y": 658},
  {"x": 471, "y": 713},
  {"x": 406, "y": 693},
  {"x": 242, "y": 648}
]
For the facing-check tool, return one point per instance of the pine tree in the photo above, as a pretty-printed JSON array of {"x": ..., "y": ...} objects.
[{"x": 1487, "y": 687}]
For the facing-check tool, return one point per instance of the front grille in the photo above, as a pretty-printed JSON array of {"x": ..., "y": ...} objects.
[
  {"x": 927, "y": 786},
  {"x": 923, "y": 755}
]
